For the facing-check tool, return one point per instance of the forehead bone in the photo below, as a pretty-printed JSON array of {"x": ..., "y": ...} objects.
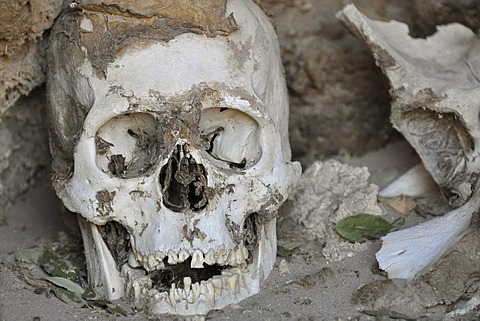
[{"x": 107, "y": 28}]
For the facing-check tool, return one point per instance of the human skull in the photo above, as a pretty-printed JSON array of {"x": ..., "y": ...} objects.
[
  {"x": 435, "y": 90},
  {"x": 169, "y": 139}
]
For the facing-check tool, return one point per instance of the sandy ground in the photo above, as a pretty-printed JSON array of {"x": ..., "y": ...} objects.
[{"x": 303, "y": 286}]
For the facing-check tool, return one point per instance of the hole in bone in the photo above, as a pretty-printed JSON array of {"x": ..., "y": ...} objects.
[
  {"x": 117, "y": 240},
  {"x": 250, "y": 235},
  {"x": 233, "y": 137},
  {"x": 183, "y": 182},
  {"x": 126, "y": 145},
  {"x": 440, "y": 139},
  {"x": 163, "y": 278}
]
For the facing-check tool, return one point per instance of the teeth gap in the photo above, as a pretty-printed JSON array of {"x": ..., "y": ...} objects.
[{"x": 175, "y": 274}]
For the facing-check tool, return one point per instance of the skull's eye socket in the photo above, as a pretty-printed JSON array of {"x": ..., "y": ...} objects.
[
  {"x": 126, "y": 145},
  {"x": 231, "y": 137}
]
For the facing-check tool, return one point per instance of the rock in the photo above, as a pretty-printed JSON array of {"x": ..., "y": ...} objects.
[{"x": 326, "y": 193}]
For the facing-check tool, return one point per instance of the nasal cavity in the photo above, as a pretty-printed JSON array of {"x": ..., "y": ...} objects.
[{"x": 184, "y": 182}]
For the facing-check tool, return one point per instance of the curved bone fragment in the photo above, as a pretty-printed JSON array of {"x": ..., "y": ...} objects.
[
  {"x": 435, "y": 91},
  {"x": 405, "y": 253},
  {"x": 415, "y": 182}
]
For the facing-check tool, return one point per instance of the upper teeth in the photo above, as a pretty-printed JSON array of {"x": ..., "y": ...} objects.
[{"x": 154, "y": 261}]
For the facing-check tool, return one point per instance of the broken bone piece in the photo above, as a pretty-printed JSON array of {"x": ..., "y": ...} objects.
[
  {"x": 170, "y": 139},
  {"x": 405, "y": 253},
  {"x": 435, "y": 91},
  {"x": 413, "y": 183}
]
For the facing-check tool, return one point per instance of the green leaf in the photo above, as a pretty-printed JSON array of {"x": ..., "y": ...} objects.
[
  {"x": 66, "y": 284},
  {"x": 28, "y": 255},
  {"x": 358, "y": 228},
  {"x": 284, "y": 249},
  {"x": 56, "y": 266},
  {"x": 389, "y": 314}
]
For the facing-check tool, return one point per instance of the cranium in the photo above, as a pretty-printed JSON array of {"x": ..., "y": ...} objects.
[
  {"x": 435, "y": 90},
  {"x": 169, "y": 139}
]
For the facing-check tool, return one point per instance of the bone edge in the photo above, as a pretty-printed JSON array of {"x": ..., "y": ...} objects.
[{"x": 103, "y": 274}]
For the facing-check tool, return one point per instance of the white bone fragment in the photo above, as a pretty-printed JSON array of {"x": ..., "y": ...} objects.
[
  {"x": 415, "y": 182},
  {"x": 405, "y": 253}
]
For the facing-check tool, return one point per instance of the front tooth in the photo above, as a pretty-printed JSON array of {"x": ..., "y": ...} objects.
[
  {"x": 182, "y": 255},
  {"x": 210, "y": 257},
  {"x": 217, "y": 283},
  {"x": 195, "y": 291},
  {"x": 159, "y": 256},
  {"x": 172, "y": 257},
  {"x": 197, "y": 260},
  {"x": 187, "y": 282},
  {"x": 171, "y": 296}
]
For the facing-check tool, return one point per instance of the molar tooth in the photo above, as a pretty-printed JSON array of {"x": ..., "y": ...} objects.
[
  {"x": 244, "y": 251},
  {"x": 132, "y": 260},
  {"x": 222, "y": 257},
  {"x": 210, "y": 257},
  {"x": 239, "y": 256},
  {"x": 206, "y": 288},
  {"x": 217, "y": 283},
  {"x": 151, "y": 262},
  {"x": 231, "y": 259},
  {"x": 197, "y": 260},
  {"x": 187, "y": 282},
  {"x": 182, "y": 255},
  {"x": 172, "y": 257},
  {"x": 220, "y": 252},
  {"x": 232, "y": 282}
]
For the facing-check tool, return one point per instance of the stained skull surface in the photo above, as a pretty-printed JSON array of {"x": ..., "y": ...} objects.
[{"x": 169, "y": 139}]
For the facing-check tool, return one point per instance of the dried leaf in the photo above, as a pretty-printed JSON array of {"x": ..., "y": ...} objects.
[
  {"x": 401, "y": 205},
  {"x": 358, "y": 228},
  {"x": 90, "y": 295},
  {"x": 285, "y": 249},
  {"x": 115, "y": 309},
  {"x": 109, "y": 306},
  {"x": 63, "y": 295},
  {"x": 66, "y": 284},
  {"x": 389, "y": 314}
]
